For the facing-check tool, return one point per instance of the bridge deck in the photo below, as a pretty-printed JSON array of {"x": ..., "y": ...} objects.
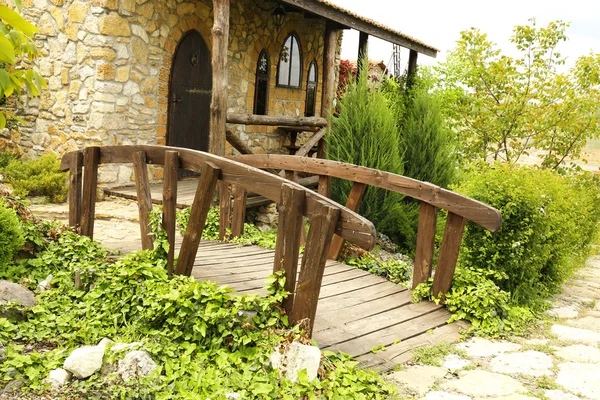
[{"x": 357, "y": 311}]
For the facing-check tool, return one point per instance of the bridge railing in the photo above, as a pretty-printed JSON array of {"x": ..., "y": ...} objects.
[
  {"x": 295, "y": 202},
  {"x": 431, "y": 197}
]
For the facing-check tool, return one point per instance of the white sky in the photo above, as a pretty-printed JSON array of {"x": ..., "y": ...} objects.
[{"x": 439, "y": 23}]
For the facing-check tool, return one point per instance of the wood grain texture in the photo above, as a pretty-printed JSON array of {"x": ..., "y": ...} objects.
[
  {"x": 310, "y": 143},
  {"x": 476, "y": 211},
  {"x": 91, "y": 155},
  {"x": 169, "y": 203},
  {"x": 444, "y": 273},
  {"x": 287, "y": 248},
  {"x": 224, "y": 209},
  {"x": 275, "y": 120},
  {"x": 354, "y": 197},
  {"x": 218, "y": 105},
  {"x": 75, "y": 182},
  {"x": 237, "y": 143},
  {"x": 425, "y": 244},
  {"x": 239, "y": 211},
  {"x": 144, "y": 198},
  {"x": 323, "y": 222},
  {"x": 193, "y": 234}
]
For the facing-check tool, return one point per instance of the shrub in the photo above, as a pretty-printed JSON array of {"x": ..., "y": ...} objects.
[
  {"x": 548, "y": 223},
  {"x": 38, "y": 177},
  {"x": 11, "y": 235}
]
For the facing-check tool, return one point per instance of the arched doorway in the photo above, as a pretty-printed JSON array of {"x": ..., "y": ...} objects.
[{"x": 190, "y": 87}]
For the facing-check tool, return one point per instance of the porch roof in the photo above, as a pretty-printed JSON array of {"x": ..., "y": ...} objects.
[{"x": 349, "y": 19}]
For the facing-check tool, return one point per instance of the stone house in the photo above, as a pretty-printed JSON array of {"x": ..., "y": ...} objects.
[{"x": 168, "y": 72}]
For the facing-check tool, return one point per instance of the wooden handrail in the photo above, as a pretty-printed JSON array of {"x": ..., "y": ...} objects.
[{"x": 275, "y": 120}]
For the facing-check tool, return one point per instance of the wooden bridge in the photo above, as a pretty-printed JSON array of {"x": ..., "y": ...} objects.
[{"x": 357, "y": 311}]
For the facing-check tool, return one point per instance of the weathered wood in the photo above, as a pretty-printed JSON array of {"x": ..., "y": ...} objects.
[
  {"x": 329, "y": 83},
  {"x": 193, "y": 234},
  {"x": 275, "y": 120},
  {"x": 412, "y": 64},
  {"x": 144, "y": 198},
  {"x": 474, "y": 210},
  {"x": 351, "y": 226},
  {"x": 75, "y": 190},
  {"x": 444, "y": 273},
  {"x": 353, "y": 202},
  {"x": 169, "y": 203},
  {"x": 77, "y": 280},
  {"x": 425, "y": 244},
  {"x": 287, "y": 248},
  {"x": 322, "y": 226},
  {"x": 218, "y": 106},
  {"x": 324, "y": 188},
  {"x": 237, "y": 143},
  {"x": 225, "y": 209},
  {"x": 351, "y": 20},
  {"x": 363, "y": 41},
  {"x": 239, "y": 211},
  {"x": 91, "y": 156},
  {"x": 310, "y": 143}
]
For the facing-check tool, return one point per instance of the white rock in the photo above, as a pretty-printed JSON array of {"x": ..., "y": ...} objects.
[
  {"x": 419, "y": 378},
  {"x": 483, "y": 383},
  {"x": 137, "y": 363},
  {"x": 560, "y": 395},
  {"x": 532, "y": 363},
  {"x": 454, "y": 362},
  {"x": 580, "y": 378},
  {"x": 437, "y": 395},
  {"x": 478, "y": 347},
  {"x": 569, "y": 311},
  {"x": 590, "y": 323},
  {"x": 575, "y": 334},
  {"x": 232, "y": 396},
  {"x": 45, "y": 284},
  {"x": 59, "y": 377},
  {"x": 295, "y": 358},
  {"x": 84, "y": 361},
  {"x": 104, "y": 342},
  {"x": 579, "y": 353},
  {"x": 516, "y": 397}
]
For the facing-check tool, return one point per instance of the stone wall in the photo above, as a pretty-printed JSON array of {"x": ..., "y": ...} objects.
[{"x": 107, "y": 64}]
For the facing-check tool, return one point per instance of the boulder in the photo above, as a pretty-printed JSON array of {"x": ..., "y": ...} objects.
[
  {"x": 137, "y": 363},
  {"x": 11, "y": 292},
  {"x": 292, "y": 359},
  {"x": 85, "y": 361},
  {"x": 59, "y": 377}
]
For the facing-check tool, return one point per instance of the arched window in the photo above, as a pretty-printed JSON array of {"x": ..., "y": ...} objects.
[
  {"x": 311, "y": 90},
  {"x": 261, "y": 87},
  {"x": 289, "y": 70}
]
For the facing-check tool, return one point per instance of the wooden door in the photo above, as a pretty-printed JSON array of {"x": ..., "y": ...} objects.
[{"x": 190, "y": 94}]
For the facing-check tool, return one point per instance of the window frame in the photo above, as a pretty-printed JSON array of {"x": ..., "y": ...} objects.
[
  {"x": 314, "y": 84},
  {"x": 262, "y": 77},
  {"x": 295, "y": 38}
]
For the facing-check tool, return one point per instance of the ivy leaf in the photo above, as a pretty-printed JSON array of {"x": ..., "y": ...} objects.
[{"x": 7, "y": 51}]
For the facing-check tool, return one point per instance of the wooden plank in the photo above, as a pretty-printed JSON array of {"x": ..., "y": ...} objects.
[
  {"x": 444, "y": 273},
  {"x": 75, "y": 190},
  {"x": 350, "y": 286},
  {"x": 291, "y": 222},
  {"x": 361, "y": 295},
  {"x": 171, "y": 169},
  {"x": 218, "y": 104},
  {"x": 239, "y": 212},
  {"x": 354, "y": 197},
  {"x": 310, "y": 143},
  {"x": 275, "y": 120},
  {"x": 144, "y": 198},
  {"x": 193, "y": 234},
  {"x": 322, "y": 225},
  {"x": 474, "y": 210},
  {"x": 91, "y": 156},
  {"x": 425, "y": 244}
]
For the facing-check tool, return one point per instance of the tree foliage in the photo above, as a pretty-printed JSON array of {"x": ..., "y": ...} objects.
[{"x": 504, "y": 106}]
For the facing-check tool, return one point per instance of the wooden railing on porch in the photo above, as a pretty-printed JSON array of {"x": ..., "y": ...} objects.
[
  {"x": 296, "y": 202},
  {"x": 431, "y": 197}
]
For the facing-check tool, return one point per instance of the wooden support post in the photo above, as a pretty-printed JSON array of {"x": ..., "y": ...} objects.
[
  {"x": 75, "y": 190},
  {"x": 224, "y": 209},
  {"x": 412, "y": 66},
  {"x": 328, "y": 88},
  {"x": 144, "y": 198},
  {"x": 363, "y": 41},
  {"x": 171, "y": 170},
  {"x": 310, "y": 143},
  {"x": 425, "y": 244},
  {"x": 239, "y": 212},
  {"x": 322, "y": 226},
  {"x": 353, "y": 202},
  {"x": 324, "y": 185},
  {"x": 287, "y": 250},
  {"x": 453, "y": 233},
  {"x": 91, "y": 156},
  {"x": 218, "y": 105},
  {"x": 200, "y": 206}
]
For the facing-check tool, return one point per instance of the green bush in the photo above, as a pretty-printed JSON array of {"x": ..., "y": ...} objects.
[
  {"x": 38, "y": 177},
  {"x": 548, "y": 223},
  {"x": 11, "y": 235}
]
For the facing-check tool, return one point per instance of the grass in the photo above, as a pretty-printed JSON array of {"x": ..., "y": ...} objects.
[{"x": 434, "y": 355}]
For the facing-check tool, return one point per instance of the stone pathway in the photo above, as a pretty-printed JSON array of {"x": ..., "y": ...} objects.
[{"x": 560, "y": 363}]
